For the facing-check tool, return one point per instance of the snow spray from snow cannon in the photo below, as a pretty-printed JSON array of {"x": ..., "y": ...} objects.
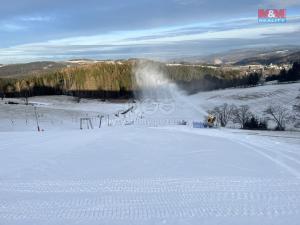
[
  {"x": 152, "y": 82},
  {"x": 159, "y": 94}
]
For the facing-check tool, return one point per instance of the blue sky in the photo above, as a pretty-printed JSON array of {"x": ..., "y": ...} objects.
[{"x": 63, "y": 29}]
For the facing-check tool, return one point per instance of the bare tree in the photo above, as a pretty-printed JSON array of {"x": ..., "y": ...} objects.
[
  {"x": 280, "y": 115},
  {"x": 223, "y": 113},
  {"x": 242, "y": 114},
  {"x": 26, "y": 98},
  {"x": 296, "y": 107}
]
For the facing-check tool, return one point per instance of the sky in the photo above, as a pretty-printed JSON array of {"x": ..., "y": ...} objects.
[{"x": 32, "y": 30}]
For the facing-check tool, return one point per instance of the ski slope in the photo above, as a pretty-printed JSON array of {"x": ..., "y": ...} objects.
[
  {"x": 133, "y": 174},
  {"x": 258, "y": 98},
  {"x": 165, "y": 175}
]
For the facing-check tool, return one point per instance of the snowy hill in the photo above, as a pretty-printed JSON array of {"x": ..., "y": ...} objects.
[
  {"x": 63, "y": 112},
  {"x": 257, "y": 98},
  {"x": 150, "y": 171}
]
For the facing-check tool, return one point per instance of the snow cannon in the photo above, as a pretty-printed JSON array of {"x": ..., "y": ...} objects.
[{"x": 211, "y": 120}]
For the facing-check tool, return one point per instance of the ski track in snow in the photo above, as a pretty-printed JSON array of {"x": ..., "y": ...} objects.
[
  {"x": 276, "y": 158},
  {"x": 279, "y": 155},
  {"x": 142, "y": 199}
]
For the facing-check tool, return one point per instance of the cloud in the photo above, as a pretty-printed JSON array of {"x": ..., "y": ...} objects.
[
  {"x": 35, "y": 28},
  {"x": 162, "y": 36},
  {"x": 191, "y": 39},
  {"x": 36, "y": 18},
  {"x": 11, "y": 27},
  {"x": 85, "y": 17}
]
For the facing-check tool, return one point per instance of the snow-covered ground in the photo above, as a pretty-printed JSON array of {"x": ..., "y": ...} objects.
[
  {"x": 258, "y": 98},
  {"x": 148, "y": 172}
]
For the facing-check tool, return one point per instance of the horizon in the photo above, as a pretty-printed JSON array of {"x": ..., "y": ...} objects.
[
  {"x": 199, "y": 59},
  {"x": 58, "y": 31}
]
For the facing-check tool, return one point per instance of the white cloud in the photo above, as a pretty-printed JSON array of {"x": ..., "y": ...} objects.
[
  {"x": 117, "y": 40},
  {"x": 36, "y": 18},
  {"x": 11, "y": 27},
  {"x": 19, "y": 23},
  {"x": 121, "y": 38}
]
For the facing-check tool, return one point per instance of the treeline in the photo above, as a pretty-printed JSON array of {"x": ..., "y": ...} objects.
[
  {"x": 210, "y": 82},
  {"x": 103, "y": 80},
  {"x": 116, "y": 80},
  {"x": 30, "y": 68},
  {"x": 292, "y": 74}
]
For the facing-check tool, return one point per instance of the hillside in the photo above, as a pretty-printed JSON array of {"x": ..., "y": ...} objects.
[
  {"x": 280, "y": 57},
  {"x": 63, "y": 112},
  {"x": 264, "y": 56},
  {"x": 117, "y": 79},
  {"x": 25, "y": 69},
  {"x": 142, "y": 167},
  {"x": 114, "y": 79}
]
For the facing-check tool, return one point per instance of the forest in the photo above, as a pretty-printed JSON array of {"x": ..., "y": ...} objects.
[{"x": 116, "y": 80}]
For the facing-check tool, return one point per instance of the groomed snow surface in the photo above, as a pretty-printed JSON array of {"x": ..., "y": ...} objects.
[{"x": 145, "y": 173}]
